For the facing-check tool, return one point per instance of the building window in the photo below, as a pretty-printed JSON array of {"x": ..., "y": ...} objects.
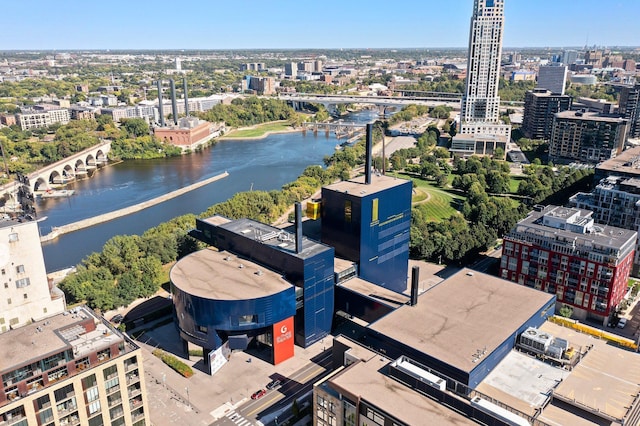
[
  {"x": 92, "y": 394},
  {"x": 93, "y": 408},
  {"x": 202, "y": 329},
  {"x": 23, "y": 282},
  {"x": 13, "y": 237},
  {"x": 20, "y": 269},
  {"x": 110, "y": 372},
  {"x": 347, "y": 211},
  {"x": 25, "y": 296},
  {"x": 90, "y": 381},
  {"x": 9, "y": 301}
]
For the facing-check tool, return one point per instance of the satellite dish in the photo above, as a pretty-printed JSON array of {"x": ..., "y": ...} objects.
[{"x": 4, "y": 254}]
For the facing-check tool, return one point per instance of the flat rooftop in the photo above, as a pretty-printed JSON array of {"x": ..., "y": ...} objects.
[
  {"x": 603, "y": 235},
  {"x": 270, "y": 235},
  {"x": 453, "y": 328},
  {"x": 592, "y": 116},
  {"x": 522, "y": 382},
  {"x": 381, "y": 294},
  {"x": 627, "y": 163},
  {"x": 606, "y": 380},
  {"x": 358, "y": 188},
  {"x": 220, "y": 275},
  {"x": 53, "y": 335},
  {"x": 369, "y": 381}
]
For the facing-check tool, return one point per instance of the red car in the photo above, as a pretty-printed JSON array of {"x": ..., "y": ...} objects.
[{"x": 258, "y": 394}]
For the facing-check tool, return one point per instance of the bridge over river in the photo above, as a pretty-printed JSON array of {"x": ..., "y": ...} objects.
[{"x": 66, "y": 170}]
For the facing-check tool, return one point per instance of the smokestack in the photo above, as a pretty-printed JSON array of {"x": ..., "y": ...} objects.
[
  {"x": 415, "y": 280},
  {"x": 186, "y": 96},
  {"x": 367, "y": 163},
  {"x": 174, "y": 105},
  {"x": 298, "y": 228},
  {"x": 160, "y": 108}
]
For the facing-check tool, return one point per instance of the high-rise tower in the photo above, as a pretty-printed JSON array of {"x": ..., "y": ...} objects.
[
  {"x": 481, "y": 103},
  {"x": 481, "y": 132}
]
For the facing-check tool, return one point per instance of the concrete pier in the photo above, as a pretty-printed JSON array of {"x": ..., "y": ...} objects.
[{"x": 85, "y": 223}]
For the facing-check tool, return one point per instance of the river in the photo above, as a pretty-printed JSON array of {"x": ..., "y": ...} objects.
[{"x": 263, "y": 164}]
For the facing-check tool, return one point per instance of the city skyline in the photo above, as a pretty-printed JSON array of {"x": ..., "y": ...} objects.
[{"x": 284, "y": 25}]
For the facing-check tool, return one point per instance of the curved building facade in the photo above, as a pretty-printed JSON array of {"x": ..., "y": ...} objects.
[{"x": 218, "y": 295}]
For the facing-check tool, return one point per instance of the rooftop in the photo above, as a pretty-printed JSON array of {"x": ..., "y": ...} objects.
[
  {"x": 79, "y": 329},
  {"x": 488, "y": 314},
  {"x": 606, "y": 380},
  {"x": 225, "y": 276},
  {"x": 270, "y": 235},
  {"x": 593, "y": 116},
  {"x": 602, "y": 235},
  {"x": 628, "y": 163},
  {"x": 369, "y": 381},
  {"x": 358, "y": 188}
]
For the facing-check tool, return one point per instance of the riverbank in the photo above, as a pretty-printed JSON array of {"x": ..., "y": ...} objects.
[
  {"x": 65, "y": 229},
  {"x": 259, "y": 131}
]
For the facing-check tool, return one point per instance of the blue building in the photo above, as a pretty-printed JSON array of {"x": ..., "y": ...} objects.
[
  {"x": 307, "y": 265},
  {"x": 367, "y": 221}
]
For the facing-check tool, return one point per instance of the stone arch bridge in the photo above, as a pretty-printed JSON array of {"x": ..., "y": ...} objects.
[{"x": 68, "y": 169}]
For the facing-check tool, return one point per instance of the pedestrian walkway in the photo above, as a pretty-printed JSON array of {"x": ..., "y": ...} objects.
[{"x": 238, "y": 419}]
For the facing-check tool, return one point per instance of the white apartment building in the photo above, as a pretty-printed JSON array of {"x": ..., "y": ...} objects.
[{"x": 24, "y": 293}]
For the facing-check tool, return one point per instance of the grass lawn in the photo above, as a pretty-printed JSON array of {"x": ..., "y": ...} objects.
[
  {"x": 514, "y": 182},
  {"x": 441, "y": 203},
  {"x": 259, "y": 130}
]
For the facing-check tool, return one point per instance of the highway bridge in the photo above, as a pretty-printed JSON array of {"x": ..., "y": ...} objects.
[{"x": 397, "y": 101}]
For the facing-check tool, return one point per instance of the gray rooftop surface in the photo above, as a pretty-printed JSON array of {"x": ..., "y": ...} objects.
[
  {"x": 607, "y": 236},
  {"x": 485, "y": 317},
  {"x": 607, "y": 378},
  {"x": 521, "y": 381},
  {"x": 54, "y": 335},
  {"x": 275, "y": 237},
  {"x": 628, "y": 162},
  {"x": 358, "y": 188},
  {"x": 374, "y": 291},
  {"x": 225, "y": 276},
  {"x": 589, "y": 116},
  {"x": 367, "y": 380}
]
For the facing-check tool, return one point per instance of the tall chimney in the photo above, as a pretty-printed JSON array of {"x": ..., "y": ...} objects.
[
  {"x": 367, "y": 163},
  {"x": 174, "y": 105},
  {"x": 415, "y": 281},
  {"x": 160, "y": 106},
  {"x": 298, "y": 227},
  {"x": 186, "y": 96}
]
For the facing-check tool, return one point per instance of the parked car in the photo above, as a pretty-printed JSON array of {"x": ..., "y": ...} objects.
[
  {"x": 273, "y": 384},
  {"x": 258, "y": 394},
  {"x": 622, "y": 322}
]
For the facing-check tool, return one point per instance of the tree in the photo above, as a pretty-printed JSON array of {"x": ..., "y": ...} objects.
[
  {"x": 135, "y": 127},
  {"x": 566, "y": 311}
]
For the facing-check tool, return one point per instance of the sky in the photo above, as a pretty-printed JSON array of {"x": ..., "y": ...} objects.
[{"x": 271, "y": 24}]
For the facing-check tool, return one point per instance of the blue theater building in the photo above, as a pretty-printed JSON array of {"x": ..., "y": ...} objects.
[
  {"x": 260, "y": 283},
  {"x": 367, "y": 221}
]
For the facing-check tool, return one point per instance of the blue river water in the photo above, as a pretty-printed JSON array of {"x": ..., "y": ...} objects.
[{"x": 264, "y": 164}]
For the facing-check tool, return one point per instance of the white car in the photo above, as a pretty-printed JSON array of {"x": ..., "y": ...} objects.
[{"x": 622, "y": 322}]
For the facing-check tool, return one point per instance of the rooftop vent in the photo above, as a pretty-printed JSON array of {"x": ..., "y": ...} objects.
[{"x": 241, "y": 266}]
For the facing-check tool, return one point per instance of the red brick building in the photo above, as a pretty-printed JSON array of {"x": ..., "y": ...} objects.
[
  {"x": 189, "y": 133},
  {"x": 561, "y": 251}
]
